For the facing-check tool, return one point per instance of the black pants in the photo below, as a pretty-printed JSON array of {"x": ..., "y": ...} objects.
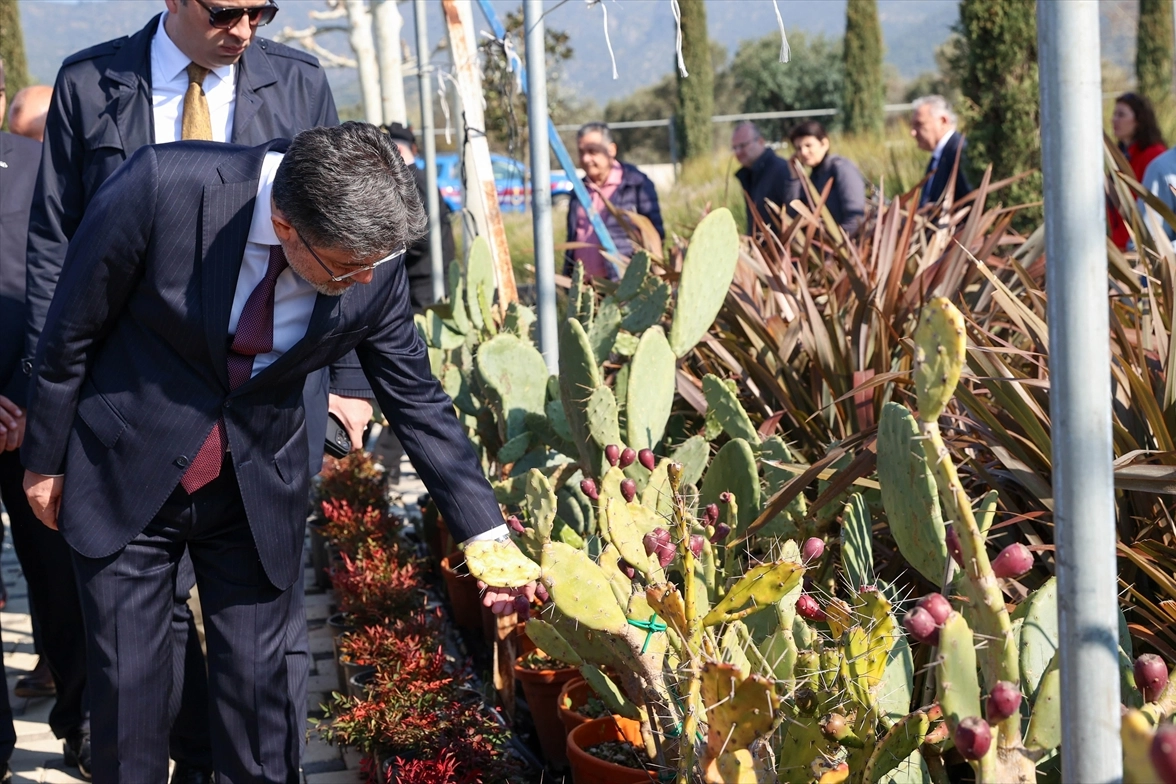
[{"x": 127, "y": 600}]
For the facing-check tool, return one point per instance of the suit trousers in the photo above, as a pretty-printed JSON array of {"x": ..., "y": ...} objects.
[{"x": 127, "y": 599}]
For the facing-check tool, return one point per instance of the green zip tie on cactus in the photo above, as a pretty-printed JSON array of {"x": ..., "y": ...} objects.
[{"x": 651, "y": 626}]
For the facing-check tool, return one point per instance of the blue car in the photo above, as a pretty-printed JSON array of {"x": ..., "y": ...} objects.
[{"x": 511, "y": 177}]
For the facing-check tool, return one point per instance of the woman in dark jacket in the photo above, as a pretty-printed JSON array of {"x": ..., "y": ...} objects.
[
  {"x": 847, "y": 199},
  {"x": 622, "y": 185}
]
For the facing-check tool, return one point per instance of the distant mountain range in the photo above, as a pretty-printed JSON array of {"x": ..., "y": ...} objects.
[{"x": 641, "y": 32}]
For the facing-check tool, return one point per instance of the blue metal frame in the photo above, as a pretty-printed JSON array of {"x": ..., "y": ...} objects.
[{"x": 557, "y": 145}]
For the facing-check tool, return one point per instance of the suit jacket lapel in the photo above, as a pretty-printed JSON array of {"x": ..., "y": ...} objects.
[
  {"x": 323, "y": 319},
  {"x": 254, "y": 73},
  {"x": 130, "y": 69}
]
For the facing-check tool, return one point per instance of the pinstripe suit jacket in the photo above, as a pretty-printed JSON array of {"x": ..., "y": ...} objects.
[{"x": 131, "y": 369}]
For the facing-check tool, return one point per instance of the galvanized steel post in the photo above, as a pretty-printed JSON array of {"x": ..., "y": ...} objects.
[
  {"x": 541, "y": 181},
  {"x": 429, "y": 139}
]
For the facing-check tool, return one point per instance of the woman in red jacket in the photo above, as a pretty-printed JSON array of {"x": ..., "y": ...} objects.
[{"x": 1134, "y": 125}]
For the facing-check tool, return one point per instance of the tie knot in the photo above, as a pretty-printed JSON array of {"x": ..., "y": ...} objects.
[
  {"x": 277, "y": 262},
  {"x": 196, "y": 74}
]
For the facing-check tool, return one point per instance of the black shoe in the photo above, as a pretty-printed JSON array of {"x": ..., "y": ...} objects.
[
  {"x": 38, "y": 683},
  {"x": 186, "y": 773},
  {"x": 76, "y": 751}
]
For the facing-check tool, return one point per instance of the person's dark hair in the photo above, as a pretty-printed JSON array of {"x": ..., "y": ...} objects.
[
  {"x": 1147, "y": 130},
  {"x": 808, "y": 128},
  {"x": 346, "y": 187}
]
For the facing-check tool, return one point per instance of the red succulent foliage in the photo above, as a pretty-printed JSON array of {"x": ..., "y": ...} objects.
[
  {"x": 359, "y": 479},
  {"x": 350, "y": 528},
  {"x": 380, "y": 583}
]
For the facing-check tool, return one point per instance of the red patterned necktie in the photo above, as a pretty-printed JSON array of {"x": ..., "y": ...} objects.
[{"x": 255, "y": 335}]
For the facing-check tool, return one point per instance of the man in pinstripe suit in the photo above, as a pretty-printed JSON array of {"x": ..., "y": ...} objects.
[{"x": 166, "y": 412}]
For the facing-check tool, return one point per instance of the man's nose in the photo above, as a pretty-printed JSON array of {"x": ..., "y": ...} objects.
[
  {"x": 243, "y": 29},
  {"x": 364, "y": 277}
]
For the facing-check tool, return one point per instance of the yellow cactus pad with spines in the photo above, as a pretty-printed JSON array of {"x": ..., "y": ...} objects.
[
  {"x": 548, "y": 639},
  {"x": 741, "y": 709},
  {"x": 500, "y": 564},
  {"x": 759, "y": 589},
  {"x": 940, "y": 344}
]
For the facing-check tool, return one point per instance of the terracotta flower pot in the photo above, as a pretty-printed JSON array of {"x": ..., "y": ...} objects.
[
  {"x": 587, "y": 769},
  {"x": 463, "y": 593},
  {"x": 573, "y": 696},
  {"x": 523, "y": 643},
  {"x": 542, "y": 689}
]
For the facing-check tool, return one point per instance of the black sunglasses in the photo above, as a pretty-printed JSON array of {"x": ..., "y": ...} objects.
[{"x": 225, "y": 18}]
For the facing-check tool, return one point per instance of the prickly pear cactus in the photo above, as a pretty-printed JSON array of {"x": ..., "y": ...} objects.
[
  {"x": 940, "y": 345},
  {"x": 517, "y": 375},
  {"x": 651, "y": 385},
  {"x": 707, "y": 272},
  {"x": 579, "y": 377},
  {"x": 909, "y": 493}
]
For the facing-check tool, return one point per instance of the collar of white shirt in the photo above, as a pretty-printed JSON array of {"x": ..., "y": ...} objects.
[
  {"x": 169, "y": 63},
  {"x": 935, "y": 156},
  {"x": 261, "y": 230}
]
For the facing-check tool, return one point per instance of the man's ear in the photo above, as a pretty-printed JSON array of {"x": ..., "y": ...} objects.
[{"x": 282, "y": 227}]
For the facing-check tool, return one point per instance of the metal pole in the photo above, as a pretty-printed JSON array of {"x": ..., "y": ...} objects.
[
  {"x": 1080, "y": 388},
  {"x": 541, "y": 181},
  {"x": 432, "y": 200}
]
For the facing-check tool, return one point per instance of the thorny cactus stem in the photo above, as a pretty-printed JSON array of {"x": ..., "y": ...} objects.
[{"x": 693, "y": 632}]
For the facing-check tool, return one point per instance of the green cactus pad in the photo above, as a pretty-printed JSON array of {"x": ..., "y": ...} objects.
[
  {"x": 594, "y": 647},
  {"x": 864, "y": 662},
  {"x": 579, "y": 377},
  {"x": 1039, "y": 633},
  {"x": 1045, "y": 724},
  {"x": 909, "y": 493},
  {"x": 634, "y": 276},
  {"x": 802, "y": 748},
  {"x": 457, "y": 304},
  {"x": 624, "y": 534},
  {"x": 519, "y": 320},
  {"x": 733, "y": 645},
  {"x": 581, "y": 298},
  {"x": 517, "y": 375},
  {"x": 648, "y": 307},
  {"x": 539, "y": 504},
  {"x": 940, "y": 346},
  {"x": 734, "y": 470},
  {"x": 706, "y": 277},
  {"x": 579, "y": 588},
  {"x": 480, "y": 275},
  {"x": 622, "y": 586},
  {"x": 437, "y": 333},
  {"x": 898, "y": 682},
  {"x": 626, "y": 344},
  {"x": 957, "y": 683},
  {"x": 605, "y": 327},
  {"x": 575, "y": 509},
  {"x": 500, "y": 564},
  {"x": 609, "y": 693},
  {"x": 742, "y": 707},
  {"x": 899, "y": 743},
  {"x": 857, "y": 549},
  {"x": 554, "y": 411},
  {"x": 759, "y": 589},
  {"x": 986, "y": 513},
  {"x": 544, "y": 430},
  {"x": 656, "y": 494},
  {"x": 652, "y": 380},
  {"x": 723, "y": 403},
  {"x": 550, "y": 641},
  {"x": 515, "y": 448},
  {"x": 602, "y": 417},
  {"x": 778, "y": 652},
  {"x": 693, "y": 454},
  {"x": 773, "y": 452}
]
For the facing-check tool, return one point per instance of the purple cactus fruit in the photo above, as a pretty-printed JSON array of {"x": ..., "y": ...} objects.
[
  {"x": 1163, "y": 753},
  {"x": 953, "y": 544},
  {"x": 973, "y": 737},
  {"x": 541, "y": 593},
  {"x": 1151, "y": 676},
  {"x": 628, "y": 457},
  {"x": 812, "y": 550},
  {"x": 646, "y": 458},
  {"x": 809, "y": 609},
  {"x": 629, "y": 489},
  {"x": 626, "y": 568},
  {"x": 522, "y": 607},
  {"x": 710, "y": 515},
  {"x": 515, "y": 525},
  {"x": 612, "y": 454},
  {"x": 658, "y": 542},
  {"x": 1013, "y": 561},
  {"x": 588, "y": 487},
  {"x": 920, "y": 625},
  {"x": 696, "y": 543},
  {"x": 938, "y": 605},
  {"x": 1003, "y": 701},
  {"x": 722, "y": 530},
  {"x": 724, "y": 497},
  {"x": 834, "y": 726}
]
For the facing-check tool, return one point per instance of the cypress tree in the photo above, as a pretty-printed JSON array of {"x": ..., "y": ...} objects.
[
  {"x": 1153, "y": 52},
  {"x": 696, "y": 93},
  {"x": 12, "y": 51},
  {"x": 863, "y": 99},
  {"x": 996, "y": 69}
]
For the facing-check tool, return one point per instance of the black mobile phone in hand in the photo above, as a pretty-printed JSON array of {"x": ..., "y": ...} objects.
[{"x": 338, "y": 443}]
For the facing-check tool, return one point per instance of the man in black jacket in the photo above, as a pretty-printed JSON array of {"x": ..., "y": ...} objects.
[
  {"x": 933, "y": 126},
  {"x": 196, "y": 72},
  {"x": 765, "y": 176}
]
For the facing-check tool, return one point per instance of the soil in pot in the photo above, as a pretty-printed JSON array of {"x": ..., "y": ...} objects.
[
  {"x": 543, "y": 679},
  {"x": 579, "y": 704},
  {"x": 463, "y": 592},
  {"x": 614, "y": 737}
]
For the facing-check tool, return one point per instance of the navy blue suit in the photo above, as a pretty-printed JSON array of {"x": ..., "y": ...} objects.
[
  {"x": 130, "y": 377},
  {"x": 953, "y": 150}
]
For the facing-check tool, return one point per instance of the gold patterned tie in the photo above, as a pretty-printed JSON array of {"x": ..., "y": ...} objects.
[{"x": 196, "y": 122}]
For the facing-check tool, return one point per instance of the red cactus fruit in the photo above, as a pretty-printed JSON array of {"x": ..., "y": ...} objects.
[
  {"x": 973, "y": 737},
  {"x": 588, "y": 487},
  {"x": 812, "y": 549},
  {"x": 920, "y": 625},
  {"x": 724, "y": 497},
  {"x": 1163, "y": 753},
  {"x": 696, "y": 542},
  {"x": 710, "y": 515},
  {"x": 1151, "y": 676},
  {"x": 834, "y": 726},
  {"x": 522, "y": 607},
  {"x": 626, "y": 568},
  {"x": 612, "y": 454},
  {"x": 629, "y": 489},
  {"x": 809, "y": 609},
  {"x": 953, "y": 544},
  {"x": 1003, "y": 701},
  {"x": 1013, "y": 561},
  {"x": 657, "y": 542},
  {"x": 515, "y": 525},
  {"x": 646, "y": 458},
  {"x": 722, "y": 530},
  {"x": 628, "y": 457},
  {"x": 938, "y": 605}
]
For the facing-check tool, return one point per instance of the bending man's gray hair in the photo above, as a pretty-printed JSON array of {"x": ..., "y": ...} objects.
[
  {"x": 938, "y": 104},
  {"x": 749, "y": 124},
  {"x": 595, "y": 127},
  {"x": 346, "y": 187}
]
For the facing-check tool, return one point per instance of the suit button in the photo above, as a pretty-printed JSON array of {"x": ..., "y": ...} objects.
[
  {"x": 182, "y": 461},
  {"x": 228, "y": 404}
]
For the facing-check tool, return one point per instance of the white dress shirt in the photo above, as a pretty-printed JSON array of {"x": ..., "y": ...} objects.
[
  {"x": 937, "y": 153},
  {"x": 169, "y": 83}
]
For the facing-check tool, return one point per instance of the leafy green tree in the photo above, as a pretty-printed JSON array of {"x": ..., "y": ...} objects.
[
  {"x": 696, "y": 92},
  {"x": 12, "y": 51},
  {"x": 1153, "y": 52},
  {"x": 995, "y": 67},
  {"x": 864, "y": 91},
  {"x": 814, "y": 79}
]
